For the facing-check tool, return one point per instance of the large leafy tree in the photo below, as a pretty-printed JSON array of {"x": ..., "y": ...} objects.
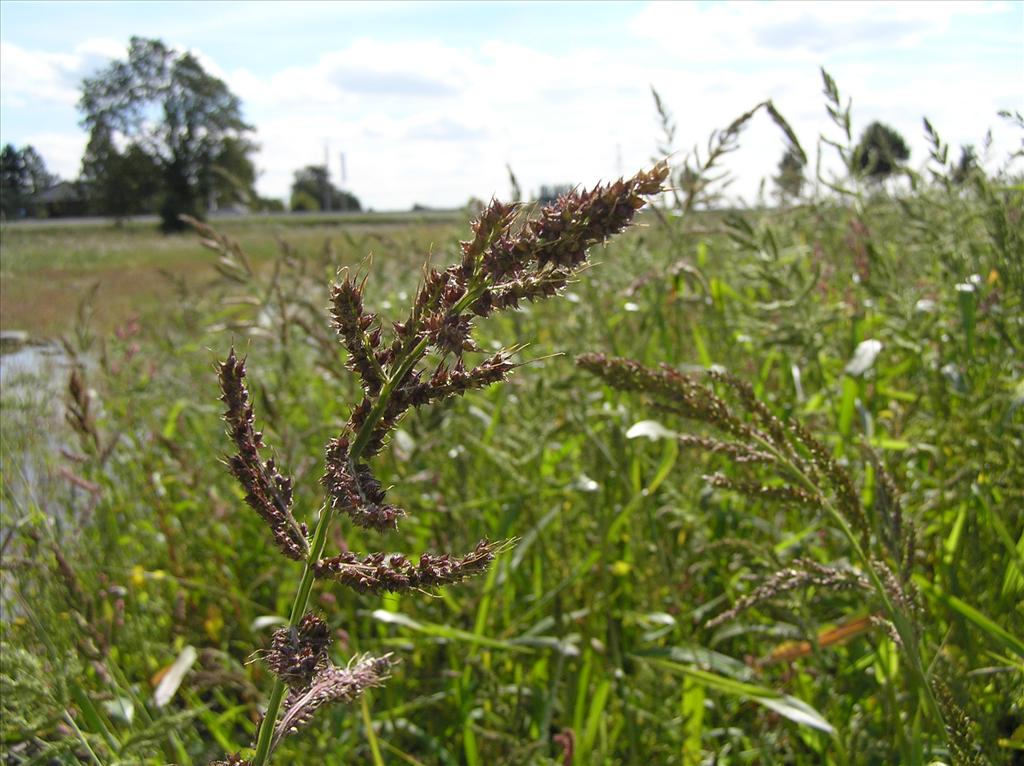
[
  {"x": 312, "y": 190},
  {"x": 163, "y": 102},
  {"x": 119, "y": 184},
  {"x": 233, "y": 176},
  {"x": 880, "y": 153},
  {"x": 11, "y": 183}
]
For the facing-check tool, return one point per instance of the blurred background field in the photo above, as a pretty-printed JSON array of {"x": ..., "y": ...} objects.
[{"x": 48, "y": 266}]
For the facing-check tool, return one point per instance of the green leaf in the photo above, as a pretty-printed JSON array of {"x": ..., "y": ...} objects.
[
  {"x": 444, "y": 631},
  {"x": 597, "y": 704},
  {"x": 966, "y": 294},
  {"x": 170, "y": 429},
  {"x": 995, "y": 632},
  {"x": 794, "y": 709},
  {"x": 700, "y": 346},
  {"x": 694, "y": 655},
  {"x": 847, "y": 405},
  {"x": 668, "y": 459},
  {"x": 692, "y": 709},
  {"x": 896, "y": 445},
  {"x": 469, "y": 745},
  {"x": 94, "y": 722}
]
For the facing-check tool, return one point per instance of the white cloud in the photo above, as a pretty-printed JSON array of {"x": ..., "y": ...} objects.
[
  {"x": 443, "y": 128},
  {"x": 794, "y": 30},
  {"x": 422, "y": 121},
  {"x": 62, "y": 152},
  {"x": 419, "y": 69},
  {"x": 34, "y": 76},
  {"x": 576, "y": 116}
]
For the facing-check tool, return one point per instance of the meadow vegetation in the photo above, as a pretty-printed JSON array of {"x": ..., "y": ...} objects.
[
  {"x": 787, "y": 530},
  {"x": 48, "y": 266}
]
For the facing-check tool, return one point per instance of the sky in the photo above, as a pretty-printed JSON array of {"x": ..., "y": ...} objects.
[{"x": 430, "y": 101}]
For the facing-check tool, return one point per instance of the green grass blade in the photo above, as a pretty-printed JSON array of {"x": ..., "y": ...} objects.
[
  {"x": 995, "y": 632},
  {"x": 789, "y": 707}
]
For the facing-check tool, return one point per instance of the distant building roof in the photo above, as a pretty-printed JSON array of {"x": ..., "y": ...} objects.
[{"x": 65, "y": 191}]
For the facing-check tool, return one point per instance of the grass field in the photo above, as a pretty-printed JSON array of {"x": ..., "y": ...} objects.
[
  {"x": 891, "y": 328},
  {"x": 47, "y": 267}
]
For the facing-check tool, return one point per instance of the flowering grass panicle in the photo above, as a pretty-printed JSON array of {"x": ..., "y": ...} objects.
[
  {"x": 511, "y": 258},
  {"x": 783, "y": 462},
  {"x": 267, "y": 491}
]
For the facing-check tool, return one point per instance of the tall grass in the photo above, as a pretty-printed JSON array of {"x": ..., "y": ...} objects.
[
  {"x": 886, "y": 322},
  {"x": 506, "y": 263}
]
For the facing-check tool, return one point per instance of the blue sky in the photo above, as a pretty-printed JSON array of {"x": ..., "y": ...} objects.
[{"x": 429, "y": 101}]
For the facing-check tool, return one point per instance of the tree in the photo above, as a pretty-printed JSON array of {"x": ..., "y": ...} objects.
[
  {"x": 304, "y": 202},
  {"x": 233, "y": 178},
  {"x": 790, "y": 178},
  {"x": 39, "y": 178},
  {"x": 880, "y": 152},
  {"x": 119, "y": 184},
  {"x": 185, "y": 119},
  {"x": 23, "y": 176},
  {"x": 11, "y": 183},
  {"x": 269, "y": 204},
  {"x": 549, "y": 194},
  {"x": 312, "y": 190}
]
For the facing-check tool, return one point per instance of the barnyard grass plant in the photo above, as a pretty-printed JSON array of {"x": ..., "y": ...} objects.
[
  {"x": 779, "y": 461},
  {"x": 424, "y": 359}
]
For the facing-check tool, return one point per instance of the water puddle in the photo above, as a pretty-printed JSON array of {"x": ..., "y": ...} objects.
[
  {"x": 31, "y": 365},
  {"x": 33, "y": 385}
]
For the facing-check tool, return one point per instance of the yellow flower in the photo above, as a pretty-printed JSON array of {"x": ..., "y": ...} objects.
[{"x": 214, "y": 622}]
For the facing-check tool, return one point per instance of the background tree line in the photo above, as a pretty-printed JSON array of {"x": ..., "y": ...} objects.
[
  {"x": 23, "y": 178},
  {"x": 881, "y": 153},
  {"x": 167, "y": 137}
]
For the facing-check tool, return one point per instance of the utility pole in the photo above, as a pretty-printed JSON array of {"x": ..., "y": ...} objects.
[
  {"x": 344, "y": 178},
  {"x": 325, "y": 202}
]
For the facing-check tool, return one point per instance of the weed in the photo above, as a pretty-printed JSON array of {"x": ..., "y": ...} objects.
[{"x": 507, "y": 262}]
